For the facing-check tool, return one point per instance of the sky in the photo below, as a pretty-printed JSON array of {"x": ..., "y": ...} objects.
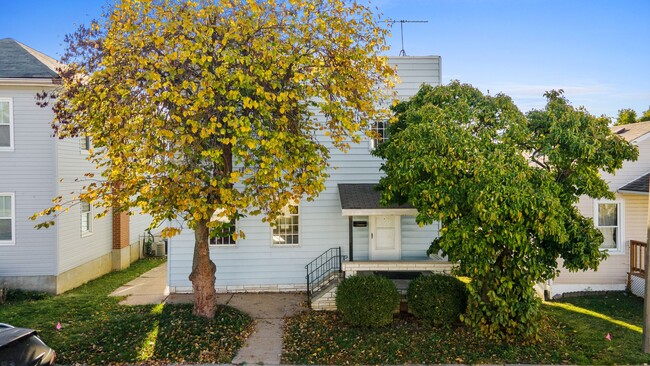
[{"x": 597, "y": 51}]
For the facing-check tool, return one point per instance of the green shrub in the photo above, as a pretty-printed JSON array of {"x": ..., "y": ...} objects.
[
  {"x": 437, "y": 299},
  {"x": 17, "y": 295},
  {"x": 367, "y": 301}
]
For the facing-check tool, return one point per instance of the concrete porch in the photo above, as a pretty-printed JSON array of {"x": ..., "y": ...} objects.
[
  {"x": 351, "y": 268},
  {"x": 325, "y": 299}
]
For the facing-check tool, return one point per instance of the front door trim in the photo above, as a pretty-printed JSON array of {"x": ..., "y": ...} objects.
[{"x": 394, "y": 253}]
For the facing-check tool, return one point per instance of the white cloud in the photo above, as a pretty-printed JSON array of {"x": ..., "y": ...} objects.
[{"x": 536, "y": 90}]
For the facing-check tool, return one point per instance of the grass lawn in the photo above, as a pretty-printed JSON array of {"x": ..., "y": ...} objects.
[
  {"x": 573, "y": 332},
  {"x": 96, "y": 330}
]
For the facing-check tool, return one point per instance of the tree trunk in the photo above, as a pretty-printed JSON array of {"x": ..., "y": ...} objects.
[{"x": 203, "y": 274}]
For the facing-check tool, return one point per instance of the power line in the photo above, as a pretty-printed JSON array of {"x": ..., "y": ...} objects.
[{"x": 402, "y": 52}]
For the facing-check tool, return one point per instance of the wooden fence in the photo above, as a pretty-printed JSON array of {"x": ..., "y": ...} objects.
[
  {"x": 637, "y": 257},
  {"x": 636, "y": 275}
]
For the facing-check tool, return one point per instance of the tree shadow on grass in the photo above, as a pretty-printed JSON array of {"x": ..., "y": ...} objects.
[{"x": 182, "y": 337}]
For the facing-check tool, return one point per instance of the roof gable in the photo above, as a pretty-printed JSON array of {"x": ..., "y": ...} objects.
[
  {"x": 20, "y": 61},
  {"x": 633, "y": 131},
  {"x": 639, "y": 185}
]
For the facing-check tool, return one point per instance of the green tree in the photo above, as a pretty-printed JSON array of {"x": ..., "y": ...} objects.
[
  {"x": 503, "y": 185},
  {"x": 645, "y": 116},
  {"x": 207, "y": 108},
  {"x": 626, "y": 116}
]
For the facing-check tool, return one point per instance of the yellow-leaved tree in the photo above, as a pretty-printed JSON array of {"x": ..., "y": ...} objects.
[{"x": 203, "y": 108}]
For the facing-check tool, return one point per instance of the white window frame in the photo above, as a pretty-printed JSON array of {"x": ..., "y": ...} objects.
[
  {"x": 85, "y": 144},
  {"x": 229, "y": 238},
  {"x": 90, "y": 214},
  {"x": 374, "y": 127},
  {"x": 11, "y": 125},
  {"x": 620, "y": 232},
  {"x": 285, "y": 214},
  {"x": 217, "y": 216},
  {"x": 12, "y": 218}
]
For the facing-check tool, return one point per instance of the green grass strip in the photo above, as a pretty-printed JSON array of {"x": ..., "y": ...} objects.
[{"x": 577, "y": 309}]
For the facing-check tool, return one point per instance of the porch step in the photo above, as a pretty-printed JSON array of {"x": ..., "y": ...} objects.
[
  {"x": 334, "y": 280},
  {"x": 325, "y": 297},
  {"x": 334, "y": 276}
]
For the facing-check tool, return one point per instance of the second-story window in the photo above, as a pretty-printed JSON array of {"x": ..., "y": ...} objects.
[
  {"x": 379, "y": 132},
  {"x": 84, "y": 142},
  {"x": 6, "y": 124}
]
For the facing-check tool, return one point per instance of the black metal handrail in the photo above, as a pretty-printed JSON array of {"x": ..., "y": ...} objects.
[{"x": 320, "y": 270}]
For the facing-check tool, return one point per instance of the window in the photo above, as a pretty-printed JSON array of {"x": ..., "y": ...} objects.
[
  {"x": 7, "y": 219},
  {"x": 86, "y": 218},
  {"x": 380, "y": 133},
  {"x": 84, "y": 142},
  {"x": 6, "y": 124},
  {"x": 286, "y": 229},
  {"x": 608, "y": 221},
  {"x": 225, "y": 234}
]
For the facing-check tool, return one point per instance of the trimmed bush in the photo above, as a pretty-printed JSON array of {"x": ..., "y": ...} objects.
[
  {"x": 367, "y": 301},
  {"x": 16, "y": 295},
  {"x": 437, "y": 299}
]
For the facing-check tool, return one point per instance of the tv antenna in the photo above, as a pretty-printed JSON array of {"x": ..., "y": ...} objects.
[{"x": 402, "y": 52}]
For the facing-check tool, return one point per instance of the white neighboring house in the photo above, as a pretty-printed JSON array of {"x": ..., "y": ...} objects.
[
  {"x": 344, "y": 230},
  {"x": 623, "y": 221},
  {"x": 36, "y": 167}
]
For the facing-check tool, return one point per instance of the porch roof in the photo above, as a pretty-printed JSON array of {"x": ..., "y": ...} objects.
[
  {"x": 362, "y": 199},
  {"x": 639, "y": 185}
]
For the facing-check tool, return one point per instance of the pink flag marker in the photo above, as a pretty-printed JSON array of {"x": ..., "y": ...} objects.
[
  {"x": 58, "y": 326},
  {"x": 608, "y": 337}
]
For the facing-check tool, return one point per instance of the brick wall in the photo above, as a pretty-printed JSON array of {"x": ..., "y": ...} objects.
[
  {"x": 325, "y": 301},
  {"x": 120, "y": 230}
]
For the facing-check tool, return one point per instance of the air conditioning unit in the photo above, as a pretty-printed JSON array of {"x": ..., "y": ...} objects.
[{"x": 161, "y": 249}]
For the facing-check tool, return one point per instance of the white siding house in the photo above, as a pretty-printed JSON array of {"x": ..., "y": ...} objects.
[
  {"x": 621, "y": 220},
  {"x": 346, "y": 214},
  {"x": 36, "y": 167}
]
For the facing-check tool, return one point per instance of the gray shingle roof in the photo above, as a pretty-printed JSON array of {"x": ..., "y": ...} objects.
[
  {"x": 362, "y": 196},
  {"x": 638, "y": 185},
  {"x": 632, "y": 131},
  {"x": 20, "y": 61}
]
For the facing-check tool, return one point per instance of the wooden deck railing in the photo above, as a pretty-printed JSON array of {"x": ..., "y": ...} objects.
[{"x": 637, "y": 256}]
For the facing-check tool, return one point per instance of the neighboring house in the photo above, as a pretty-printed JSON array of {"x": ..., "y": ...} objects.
[
  {"x": 623, "y": 221},
  {"x": 346, "y": 215},
  {"x": 37, "y": 167}
]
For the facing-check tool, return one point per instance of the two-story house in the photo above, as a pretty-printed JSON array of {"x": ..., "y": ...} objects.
[
  {"x": 35, "y": 167},
  {"x": 623, "y": 222},
  {"x": 346, "y": 214}
]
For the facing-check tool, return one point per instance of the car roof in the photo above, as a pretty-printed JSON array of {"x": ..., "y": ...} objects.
[{"x": 9, "y": 335}]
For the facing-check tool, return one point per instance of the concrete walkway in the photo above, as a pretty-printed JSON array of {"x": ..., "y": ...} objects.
[
  {"x": 268, "y": 310},
  {"x": 150, "y": 288}
]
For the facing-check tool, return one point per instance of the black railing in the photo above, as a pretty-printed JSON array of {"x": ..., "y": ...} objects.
[{"x": 322, "y": 270}]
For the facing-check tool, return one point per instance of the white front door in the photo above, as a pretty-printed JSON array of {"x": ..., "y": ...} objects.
[{"x": 385, "y": 238}]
